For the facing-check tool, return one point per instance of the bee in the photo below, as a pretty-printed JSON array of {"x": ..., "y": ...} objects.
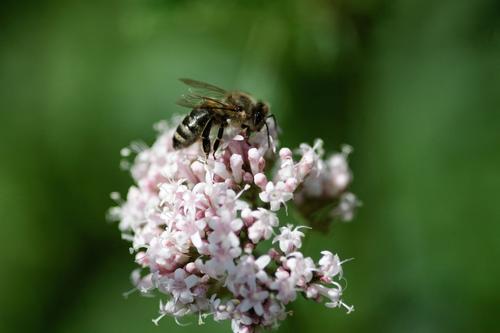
[{"x": 213, "y": 106}]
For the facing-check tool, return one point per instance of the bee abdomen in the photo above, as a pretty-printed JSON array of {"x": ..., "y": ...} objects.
[{"x": 190, "y": 129}]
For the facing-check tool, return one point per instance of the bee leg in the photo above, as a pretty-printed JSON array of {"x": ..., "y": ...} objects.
[
  {"x": 275, "y": 122},
  {"x": 205, "y": 136},
  {"x": 220, "y": 133},
  {"x": 268, "y": 137},
  {"x": 246, "y": 129},
  {"x": 267, "y": 129}
]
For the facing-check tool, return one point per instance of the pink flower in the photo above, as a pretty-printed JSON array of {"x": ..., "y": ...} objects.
[
  {"x": 346, "y": 207},
  {"x": 221, "y": 259},
  {"x": 165, "y": 252},
  {"x": 285, "y": 285},
  {"x": 289, "y": 239},
  {"x": 196, "y": 226},
  {"x": 179, "y": 284},
  {"x": 193, "y": 228},
  {"x": 338, "y": 168},
  {"x": 330, "y": 265},
  {"x": 253, "y": 298},
  {"x": 300, "y": 268},
  {"x": 263, "y": 226},
  {"x": 143, "y": 284},
  {"x": 276, "y": 195},
  {"x": 248, "y": 274}
]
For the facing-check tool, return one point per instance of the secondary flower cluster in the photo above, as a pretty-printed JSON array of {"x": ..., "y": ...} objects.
[{"x": 205, "y": 231}]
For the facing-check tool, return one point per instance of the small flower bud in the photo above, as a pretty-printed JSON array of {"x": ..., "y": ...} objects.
[
  {"x": 255, "y": 160},
  {"x": 191, "y": 268},
  {"x": 285, "y": 153},
  {"x": 236, "y": 162},
  {"x": 260, "y": 180}
]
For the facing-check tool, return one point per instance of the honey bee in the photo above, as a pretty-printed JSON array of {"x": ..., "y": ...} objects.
[{"x": 213, "y": 106}]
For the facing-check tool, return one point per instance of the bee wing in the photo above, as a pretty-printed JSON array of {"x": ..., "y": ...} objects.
[
  {"x": 193, "y": 100},
  {"x": 189, "y": 101},
  {"x": 202, "y": 87}
]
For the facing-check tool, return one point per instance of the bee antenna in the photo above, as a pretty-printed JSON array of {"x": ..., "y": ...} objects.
[{"x": 275, "y": 123}]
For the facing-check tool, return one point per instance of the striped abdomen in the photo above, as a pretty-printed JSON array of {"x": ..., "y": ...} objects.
[{"x": 191, "y": 128}]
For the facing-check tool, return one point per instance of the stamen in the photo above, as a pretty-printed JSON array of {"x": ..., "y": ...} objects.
[
  {"x": 155, "y": 321},
  {"x": 347, "y": 307},
  {"x": 245, "y": 188},
  {"x": 128, "y": 293}
]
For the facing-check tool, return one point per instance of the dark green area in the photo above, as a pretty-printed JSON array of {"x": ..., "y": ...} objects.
[{"x": 414, "y": 86}]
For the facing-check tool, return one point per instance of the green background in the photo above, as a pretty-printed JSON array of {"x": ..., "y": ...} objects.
[{"x": 414, "y": 86}]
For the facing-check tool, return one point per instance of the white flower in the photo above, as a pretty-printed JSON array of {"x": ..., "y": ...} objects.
[
  {"x": 311, "y": 159},
  {"x": 333, "y": 295},
  {"x": 330, "y": 264},
  {"x": 339, "y": 172},
  {"x": 276, "y": 195},
  {"x": 289, "y": 239},
  {"x": 300, "y": 268},
  {"x": 347, "y": 206}
]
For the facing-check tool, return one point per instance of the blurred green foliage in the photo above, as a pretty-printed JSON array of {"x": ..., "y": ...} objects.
[{"x": 414, "y": 86}]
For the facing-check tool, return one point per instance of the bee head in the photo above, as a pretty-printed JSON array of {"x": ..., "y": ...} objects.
[{"x": 259, "y": 115}]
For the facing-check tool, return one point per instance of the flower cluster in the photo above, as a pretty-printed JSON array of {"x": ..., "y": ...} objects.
[{"x": 206, "y": 234}]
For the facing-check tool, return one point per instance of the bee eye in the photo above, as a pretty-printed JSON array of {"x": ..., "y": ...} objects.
[{"x": 258, "y": 117}]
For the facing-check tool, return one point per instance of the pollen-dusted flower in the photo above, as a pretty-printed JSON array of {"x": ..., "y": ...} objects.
[{"x": 206, "y": 231}]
